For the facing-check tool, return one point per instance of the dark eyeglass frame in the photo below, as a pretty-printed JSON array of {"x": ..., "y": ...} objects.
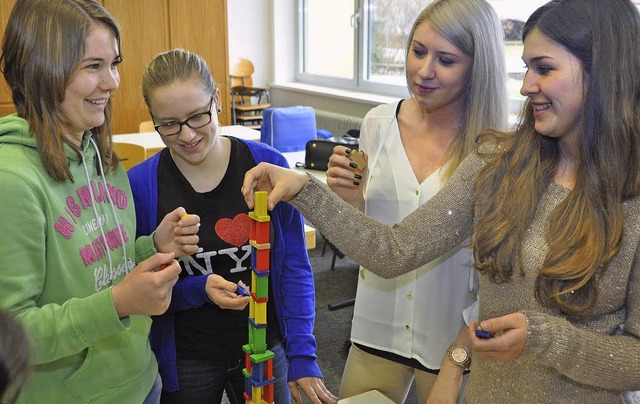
[{"x": 185, "y": 122}]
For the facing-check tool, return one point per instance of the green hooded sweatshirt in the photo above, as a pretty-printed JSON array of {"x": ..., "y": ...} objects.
[{"x": 63, "y": 247}]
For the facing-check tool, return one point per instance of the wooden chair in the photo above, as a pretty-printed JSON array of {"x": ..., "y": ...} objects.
[
  {"x": 146, "y": 126},
  {"x": 130, "y": 154},
  {"x": 247, "y": 101}
]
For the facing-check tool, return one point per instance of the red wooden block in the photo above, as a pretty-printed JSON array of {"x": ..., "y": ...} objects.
[
  {"x": 252, "y": 230},
  {"x": 262, "y": 232},
  {"x": 268, "y": 373},
  {"x": 262, "y": 260},
  {"x": 267, "y": 393}
]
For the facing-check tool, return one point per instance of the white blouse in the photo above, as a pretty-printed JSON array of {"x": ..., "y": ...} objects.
[{"x": 419, "y": 314}]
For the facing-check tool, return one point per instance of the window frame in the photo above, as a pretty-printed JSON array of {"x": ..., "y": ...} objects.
[{"x": 359, "y": 82}]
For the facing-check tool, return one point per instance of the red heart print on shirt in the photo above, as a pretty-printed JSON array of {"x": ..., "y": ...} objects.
[{"x": 234, "y": 231}]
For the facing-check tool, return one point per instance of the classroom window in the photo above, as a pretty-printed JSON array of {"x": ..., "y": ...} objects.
[
  {"x": 360, "y": 44},
  {"x": 355, "y": 44}
]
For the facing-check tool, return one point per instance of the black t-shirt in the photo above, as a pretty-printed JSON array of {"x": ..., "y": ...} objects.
[{"x": 209, "y": 332}]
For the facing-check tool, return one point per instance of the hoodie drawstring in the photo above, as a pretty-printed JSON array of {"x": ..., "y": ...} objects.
[{"x": 111, "y": 203}]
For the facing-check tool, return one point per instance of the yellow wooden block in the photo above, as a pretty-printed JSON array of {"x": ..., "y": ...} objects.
[
  {"x": 256, "y": 395},
  {"x": 310, "y": 236},
  {"x": 252, "y": 305},
  {"x": 259, "y": 218},
  {"x": 260, "y": 311},
  {"x": 260, "y": 203},
  {"x": 263, "y": 246}
]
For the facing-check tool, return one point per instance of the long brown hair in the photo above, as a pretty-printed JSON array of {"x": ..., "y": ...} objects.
[
  {"x": 585, "y": 230},
  {"x": 43, "y": 46}
]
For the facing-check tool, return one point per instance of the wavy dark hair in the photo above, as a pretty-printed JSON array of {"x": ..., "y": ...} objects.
[
  {"x": 43, "y": 46},
  {"x": 585, "y": 230}
]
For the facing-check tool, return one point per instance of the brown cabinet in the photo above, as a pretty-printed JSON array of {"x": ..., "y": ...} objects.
[
  {"x": 148, "y": 28},
  {"x": 6, "y": 104}
]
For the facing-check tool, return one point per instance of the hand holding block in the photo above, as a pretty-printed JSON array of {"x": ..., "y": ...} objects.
[{"x": 357, "y": 156}]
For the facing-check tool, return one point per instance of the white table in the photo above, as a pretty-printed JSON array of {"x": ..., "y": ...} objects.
[
  {"x": 370, "y": 397},
  {"x": 152, "y": 144}
]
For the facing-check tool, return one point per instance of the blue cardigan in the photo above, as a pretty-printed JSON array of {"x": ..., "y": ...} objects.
[{"x": 290, "y": 273}]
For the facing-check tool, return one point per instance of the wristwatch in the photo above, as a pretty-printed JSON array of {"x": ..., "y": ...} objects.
[{"x": 459, "y": 355}]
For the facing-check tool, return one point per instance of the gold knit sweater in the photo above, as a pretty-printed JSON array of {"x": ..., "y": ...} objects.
[{"x": 593, "y": 359}]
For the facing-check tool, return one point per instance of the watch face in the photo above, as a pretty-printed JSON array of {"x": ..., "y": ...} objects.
[{"x": 459, "y": 354}]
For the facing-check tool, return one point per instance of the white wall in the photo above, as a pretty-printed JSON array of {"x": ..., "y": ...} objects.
[
  {"x": 250, "y": 36},
  {"x": 264, "y": 31}
]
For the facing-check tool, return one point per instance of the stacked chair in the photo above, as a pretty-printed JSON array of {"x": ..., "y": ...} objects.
[{"x": 247, "y": 102}]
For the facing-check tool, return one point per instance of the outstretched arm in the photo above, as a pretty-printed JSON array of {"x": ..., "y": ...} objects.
[{"x": 430, "y": 231}]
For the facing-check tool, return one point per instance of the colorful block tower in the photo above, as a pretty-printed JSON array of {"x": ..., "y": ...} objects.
[{"x": 258, "y": 371}]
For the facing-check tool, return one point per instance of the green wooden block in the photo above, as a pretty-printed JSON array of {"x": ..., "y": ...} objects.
[
  {"x": 262, "y": 286},
  {"x": 262, "y": 357}
]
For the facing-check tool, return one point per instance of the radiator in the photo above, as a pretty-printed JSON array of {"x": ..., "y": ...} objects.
[{"x": 337, "y": 124}]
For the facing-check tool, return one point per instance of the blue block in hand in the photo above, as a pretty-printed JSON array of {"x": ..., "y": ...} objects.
[
  {"x": 242, "y": 291},
  {"x": 483, "y": 334}
]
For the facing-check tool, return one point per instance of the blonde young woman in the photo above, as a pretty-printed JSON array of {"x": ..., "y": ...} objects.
[{"x": 456, "y": 75}]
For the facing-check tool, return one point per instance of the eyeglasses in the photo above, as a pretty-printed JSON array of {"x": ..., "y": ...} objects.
[{"x": 196, "y": 121}]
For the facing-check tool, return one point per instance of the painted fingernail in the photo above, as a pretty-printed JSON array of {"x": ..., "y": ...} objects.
[
  {"x": 353, "y": 165},
  {"x": 358, "y": 176},
  {"x": 347, "y": 151},
  {"x": 356, "y": 183}
]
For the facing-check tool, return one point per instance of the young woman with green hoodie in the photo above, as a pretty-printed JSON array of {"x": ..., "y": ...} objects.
[{"x": 71, "y": 268}]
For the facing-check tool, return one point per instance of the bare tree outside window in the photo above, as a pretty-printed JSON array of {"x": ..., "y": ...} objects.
[{"x": 390, "y": 23}]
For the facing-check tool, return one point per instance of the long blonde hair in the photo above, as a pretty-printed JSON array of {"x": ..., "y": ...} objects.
[{"x": 474, "y": 28}]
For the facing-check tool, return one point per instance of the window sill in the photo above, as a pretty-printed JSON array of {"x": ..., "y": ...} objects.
[
  {"x": 346, "y": 95},
  {"x": 370, "y": 99}
]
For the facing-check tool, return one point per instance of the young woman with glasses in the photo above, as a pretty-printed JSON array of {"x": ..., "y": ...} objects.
[{"x": 198, "y": 342}]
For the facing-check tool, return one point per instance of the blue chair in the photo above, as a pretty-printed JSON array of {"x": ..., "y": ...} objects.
[{"x": 288, "y": 129}]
